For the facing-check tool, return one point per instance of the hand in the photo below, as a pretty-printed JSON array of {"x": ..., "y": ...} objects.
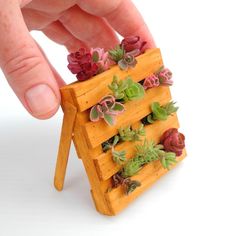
[{"x": 75, "y": 24}]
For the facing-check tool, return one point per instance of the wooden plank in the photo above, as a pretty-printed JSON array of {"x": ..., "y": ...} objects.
[
  {"x": 99, "y": 84},
  {"x": 149, "y": 58},
  {"x": 147, "y": 176},
  {"x": 98, "y": 187},
  {"x": 65, "y": 142},
  {"x": 106, "y": 167},
  {"x": 98, "y": 132}
]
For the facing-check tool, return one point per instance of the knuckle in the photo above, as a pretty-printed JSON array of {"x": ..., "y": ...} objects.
[{"x": 22, "y": 61}]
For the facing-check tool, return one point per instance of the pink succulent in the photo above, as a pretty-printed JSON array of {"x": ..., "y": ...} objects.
[
  {"x": 106, "y": 109},
  {"x": 81, "y": 63},
  {"x": 133, "y": 43},
  {"x": 151, "y": 81},
  {"x": 100, "y": 57},
  {"x": 165, "y": 77},
  {"x": 173, "y": 141}
]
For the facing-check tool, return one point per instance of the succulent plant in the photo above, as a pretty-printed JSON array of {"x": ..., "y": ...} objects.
[
  {"x": 81, "y": 64},
  {"x": 125, "y": 134},
  {"x": 151, "y": 82},
  {"x": 146, "y": 153},
  {"x": 129, "y": 134},
  {"x": 160, "y": 112},
  {"x": 100, "y": 57},
  {"x": 128, "y": 61},
  {"x": 128, "y": 184},
  {"x": 106, "y": 109},
  {"x": 117, "y": 53},
  {"x": 173, "y": 141},
  {"x": 165, "y": 77},
  {"x": 133, "y": 43},
  {"x": 119, "y": 157},
  {"x": 127, "y": 89}
]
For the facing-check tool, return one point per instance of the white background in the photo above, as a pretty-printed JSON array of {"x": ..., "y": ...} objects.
[{"x": 197, "y": 39}]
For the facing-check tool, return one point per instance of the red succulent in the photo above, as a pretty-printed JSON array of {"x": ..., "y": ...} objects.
[
  {"x": 173, "y": 141},
  {"x": 81, "y": 64},
  {"x": 133, "y": 43}
]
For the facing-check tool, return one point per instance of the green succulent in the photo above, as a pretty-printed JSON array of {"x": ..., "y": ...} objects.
[
  {"x": 127, "y": 89},
  {"x": 129, "y": 134},
  {"x": 117, "y": 53},
  {"x": 161, "y": 112},
  {"x": 119, "y": 157},
  {"x": 147, "y": 153}
]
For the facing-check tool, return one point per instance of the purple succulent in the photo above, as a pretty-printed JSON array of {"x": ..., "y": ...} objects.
[{"x": 128, "y": 61}]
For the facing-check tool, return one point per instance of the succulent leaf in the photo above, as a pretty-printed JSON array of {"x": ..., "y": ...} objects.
[
  {"x": 109, "y": 119},
  {"x": 94, "y": 114}
]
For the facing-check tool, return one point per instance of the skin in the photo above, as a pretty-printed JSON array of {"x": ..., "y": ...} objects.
[{"x": 72, "y": 23}]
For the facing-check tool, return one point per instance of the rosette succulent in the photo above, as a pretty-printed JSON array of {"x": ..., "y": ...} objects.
[
  {"x": 151, "y": 81},
  {"x": 173, "y": 141},
  {"x": 86, "y": 64},
  {"x": 126, "y": 90},
  {"x": 133, "y": 43},
  {"x": 128, "y": 61},
  {"x": 100, "y": 57},
  {"x": 81, "y": 64},
  {"x": 165, "y": 77},
  {"x": 106, "y": 109}
]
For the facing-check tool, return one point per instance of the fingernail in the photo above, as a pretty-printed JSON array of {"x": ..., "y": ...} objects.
[{"x": 41, "y": 100}]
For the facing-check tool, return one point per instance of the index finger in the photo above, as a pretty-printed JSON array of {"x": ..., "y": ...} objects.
[{"x": 122, "y": 15}]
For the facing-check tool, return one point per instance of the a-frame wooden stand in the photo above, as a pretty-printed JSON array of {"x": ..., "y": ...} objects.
[{"x": 77, "y": 99}]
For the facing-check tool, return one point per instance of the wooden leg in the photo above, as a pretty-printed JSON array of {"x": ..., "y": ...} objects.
[{"x": 64, "y": 147}]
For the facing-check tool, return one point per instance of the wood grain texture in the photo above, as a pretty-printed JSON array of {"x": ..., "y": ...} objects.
[
  {"x": 98, "y": 188},
  {"x": 64, "y": 146}
]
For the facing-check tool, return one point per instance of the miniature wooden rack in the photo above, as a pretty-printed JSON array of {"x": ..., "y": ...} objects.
[{"x": 77, "y": 99}]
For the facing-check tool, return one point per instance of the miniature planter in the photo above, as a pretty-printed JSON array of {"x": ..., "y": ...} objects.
[{"x": 78, "y": 99}]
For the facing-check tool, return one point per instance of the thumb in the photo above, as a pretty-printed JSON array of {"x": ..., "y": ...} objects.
[{"x": 24, "y": 66}]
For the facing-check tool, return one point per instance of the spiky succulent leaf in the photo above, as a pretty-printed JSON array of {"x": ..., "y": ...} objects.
[
  {"x": 170, "y": 108},
  {"x": 117, "y": 53},
  {"x": 132, "y": 167},
  {"x": 168, "y": 159}
]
